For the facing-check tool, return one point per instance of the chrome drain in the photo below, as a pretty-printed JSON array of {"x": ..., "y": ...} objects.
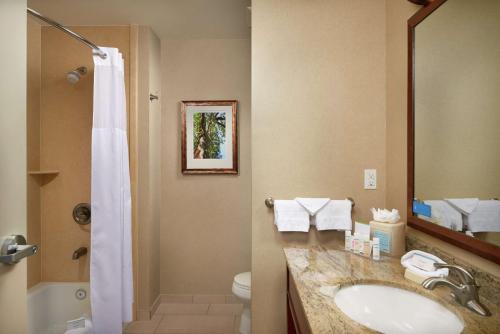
[{"x": 81, "y": 294}]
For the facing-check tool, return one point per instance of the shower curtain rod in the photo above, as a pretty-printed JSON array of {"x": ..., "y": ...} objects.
[{"x": 82, "y": 39}]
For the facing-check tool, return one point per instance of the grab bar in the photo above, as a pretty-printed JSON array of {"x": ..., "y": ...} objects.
[{"x": 270, "y": 202}]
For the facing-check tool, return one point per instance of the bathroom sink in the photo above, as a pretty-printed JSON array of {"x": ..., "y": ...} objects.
[{"x": 391, "y": 310}]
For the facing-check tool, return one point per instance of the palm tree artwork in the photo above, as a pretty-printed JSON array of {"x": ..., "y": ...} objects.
[{"x": 209, "y": 135}]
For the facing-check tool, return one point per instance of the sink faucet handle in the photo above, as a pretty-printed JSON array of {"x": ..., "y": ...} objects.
[{"x": 464, "y": 275}]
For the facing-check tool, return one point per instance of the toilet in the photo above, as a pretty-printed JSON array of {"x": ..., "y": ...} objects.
[{"x": 242, "y": 290}]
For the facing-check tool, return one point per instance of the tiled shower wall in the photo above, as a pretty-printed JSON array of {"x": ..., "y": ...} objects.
[{"x": 61, "y": 131}]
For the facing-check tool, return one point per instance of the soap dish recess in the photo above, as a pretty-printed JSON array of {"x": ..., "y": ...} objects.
[{"x": 43, "y": 172}]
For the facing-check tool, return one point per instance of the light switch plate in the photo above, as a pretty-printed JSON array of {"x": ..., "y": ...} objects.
[{"x": 370, "y": 179}]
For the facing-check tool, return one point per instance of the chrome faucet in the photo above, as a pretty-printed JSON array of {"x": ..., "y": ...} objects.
[
  {"x": 464, "y": 292},
  {"x": 79, "y": 253}
]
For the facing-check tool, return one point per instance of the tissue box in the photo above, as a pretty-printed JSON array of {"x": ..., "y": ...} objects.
[{"x": 391, "y": 237}]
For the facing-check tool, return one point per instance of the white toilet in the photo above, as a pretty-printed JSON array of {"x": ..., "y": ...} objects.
[{"x": 242, "y": 290}]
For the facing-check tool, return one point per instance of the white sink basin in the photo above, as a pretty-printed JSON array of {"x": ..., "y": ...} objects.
[{"x": 391, "y": 310}]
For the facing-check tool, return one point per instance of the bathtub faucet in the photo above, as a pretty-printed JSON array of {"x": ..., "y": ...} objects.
[{"x": 79, "y": 253}]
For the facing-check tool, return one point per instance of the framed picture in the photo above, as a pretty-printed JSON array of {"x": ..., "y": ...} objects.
[{"x": 209, "y": 137}]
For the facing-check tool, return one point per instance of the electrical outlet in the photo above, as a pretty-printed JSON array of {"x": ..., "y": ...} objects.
[{"x": 370, "y": 179}]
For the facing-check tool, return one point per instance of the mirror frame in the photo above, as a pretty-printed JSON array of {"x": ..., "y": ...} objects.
[{"x": 478, "y": 247}]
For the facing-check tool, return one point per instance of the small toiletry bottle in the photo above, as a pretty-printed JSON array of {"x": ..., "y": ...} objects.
[
  {"x": 367, "y": 248},
  {"x": 353, "y": 242},
  {"x": 357, "y": 244},
  {"x": 348, "y": 243},
  {"x": 376, "y": 249}
]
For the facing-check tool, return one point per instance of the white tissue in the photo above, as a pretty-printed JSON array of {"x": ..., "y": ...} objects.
[{"x": 385, "y": 216}]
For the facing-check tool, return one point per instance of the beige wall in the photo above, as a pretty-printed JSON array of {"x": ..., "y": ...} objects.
[
  {"x": 13, "y": 185},
  {"x": 398, "y": 13},
  {"x": 66, "y": 129},
  {"x": 155, "y": 160},
  {"x": 318, "y": 120},
  {"x": 205, "y": 219},
  {"x": 456, "y": 102},
  {"x": 145, "y": 156},
  {"x": 34, "y": 227}
]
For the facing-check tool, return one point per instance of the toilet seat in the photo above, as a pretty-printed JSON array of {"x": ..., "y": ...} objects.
[
  {"x": 242, "y": 285},
  {"x": 243, "y": 280}
]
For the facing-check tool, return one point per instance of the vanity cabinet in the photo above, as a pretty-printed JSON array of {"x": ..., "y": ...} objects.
[{"x": 296, "y": 318}]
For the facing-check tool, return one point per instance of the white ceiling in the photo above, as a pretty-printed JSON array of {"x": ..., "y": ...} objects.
[{"x": 167, "y": 18}]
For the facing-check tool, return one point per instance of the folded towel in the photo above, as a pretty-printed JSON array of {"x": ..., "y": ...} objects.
[
  {"x": 445, "y": 215},
  {"x": 418, "y": 262},
  {"x": 485, "y": 218},
  {"x": 81, "y": 325},
  {"x": 312, "y": 205},
  {"x": 290, "y": 216},
  {"x": 464, "y": 205},
  {"x": 335, "y": 215}
]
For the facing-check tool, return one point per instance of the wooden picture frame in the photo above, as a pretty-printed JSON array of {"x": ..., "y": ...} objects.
[
  {"x": 473, "y": 245},
  {"x": 209, "y": 137}
]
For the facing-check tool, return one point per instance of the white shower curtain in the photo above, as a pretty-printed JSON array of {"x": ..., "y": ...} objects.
[{"x": 111, "y": 253}]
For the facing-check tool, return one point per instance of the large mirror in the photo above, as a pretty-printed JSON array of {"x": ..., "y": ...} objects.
[{"x": 454, "y": 118}]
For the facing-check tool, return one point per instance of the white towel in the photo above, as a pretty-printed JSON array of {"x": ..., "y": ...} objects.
[
  {"x": 336, "y": 215},
  {"x": 464, "y": 205},
  {"x": 312, "y": 205},
  {"x": 87, "y": 329},
  {"x": 485, "y": 218},
  {"x": 290, "y": 216},
  {"x": 445, "y": 215}
]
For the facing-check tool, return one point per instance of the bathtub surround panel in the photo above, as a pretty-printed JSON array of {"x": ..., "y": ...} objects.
[
  {"x": 318, "y": 103},
  {"x": 34, "y": 227},
  {"x": 205, "y": 219},
  {"x": 66, "y": 128}
]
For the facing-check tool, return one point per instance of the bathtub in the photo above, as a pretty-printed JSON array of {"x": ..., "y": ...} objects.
[{"x": 50, "y": 305}]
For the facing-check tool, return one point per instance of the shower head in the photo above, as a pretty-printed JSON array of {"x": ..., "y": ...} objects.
[{"x": 74, "y": 76}]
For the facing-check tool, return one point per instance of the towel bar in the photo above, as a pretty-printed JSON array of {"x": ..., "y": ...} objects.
[{"x": 270, "y": 202}]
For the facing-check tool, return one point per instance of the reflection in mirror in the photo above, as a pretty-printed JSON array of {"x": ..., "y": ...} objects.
[{"x": 457, "y": 118}]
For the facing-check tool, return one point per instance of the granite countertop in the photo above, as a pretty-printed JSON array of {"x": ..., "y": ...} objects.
[{"x": 319, "y": 272}]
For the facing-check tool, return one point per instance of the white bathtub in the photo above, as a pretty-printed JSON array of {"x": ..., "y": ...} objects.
[{"x": 50, "y": 305}]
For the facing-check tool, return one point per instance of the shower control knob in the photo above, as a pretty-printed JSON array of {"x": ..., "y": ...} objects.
[{"x": 82, "y": 214}]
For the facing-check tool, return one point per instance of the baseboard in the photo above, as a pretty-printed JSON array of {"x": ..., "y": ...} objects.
[
  {"x": 155, "y": 305},
  {"x": 143, "y": 315}
]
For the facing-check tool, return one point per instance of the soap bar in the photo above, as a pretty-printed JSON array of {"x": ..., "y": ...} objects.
[
  {"x": 391, "y": 237},
  {"x": 423, "y": 262}
]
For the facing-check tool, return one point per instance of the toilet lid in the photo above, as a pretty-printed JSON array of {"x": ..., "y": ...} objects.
[{"x": 243, "y": 280}]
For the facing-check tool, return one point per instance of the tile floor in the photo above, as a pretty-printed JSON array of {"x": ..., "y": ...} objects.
[{"x": 187, "y": 314}]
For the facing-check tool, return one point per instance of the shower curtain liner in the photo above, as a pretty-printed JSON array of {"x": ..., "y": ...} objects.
[{"x": 111, "y": 253}]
